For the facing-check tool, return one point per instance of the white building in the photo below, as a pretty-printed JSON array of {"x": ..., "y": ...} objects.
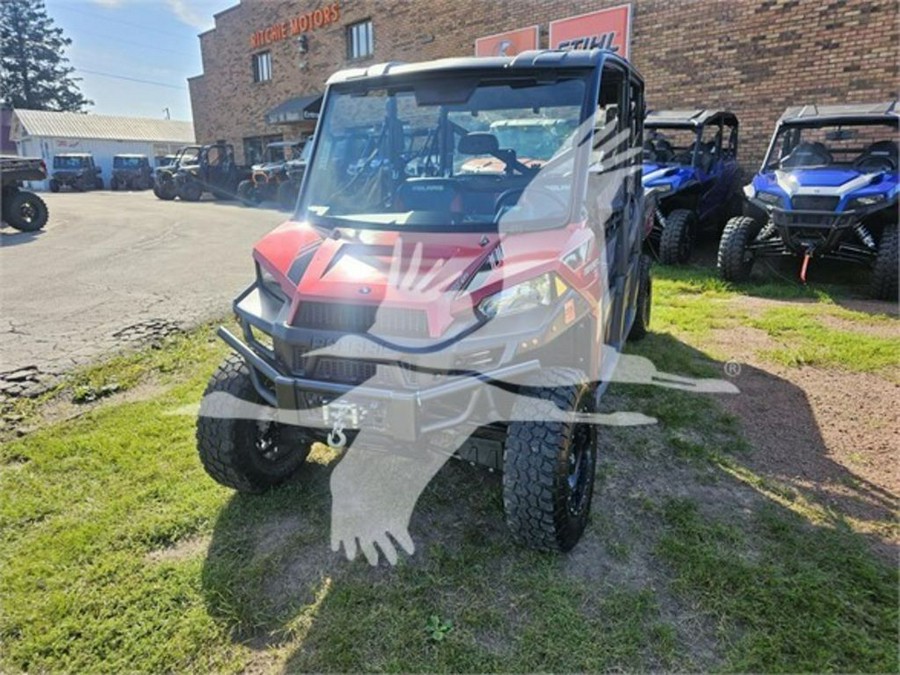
[{"x": 40, "y": 133}]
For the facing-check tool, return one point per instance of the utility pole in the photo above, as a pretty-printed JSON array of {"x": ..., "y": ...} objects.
[{"x": 166, "y": 110}]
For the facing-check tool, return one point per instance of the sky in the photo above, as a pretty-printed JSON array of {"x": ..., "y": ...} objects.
[{"x": 115, "y": 42}]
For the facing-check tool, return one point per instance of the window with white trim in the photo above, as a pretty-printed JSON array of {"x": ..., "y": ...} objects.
[
  {"x": 262, "y": 67},
  {"x": 360, "y": 40}
]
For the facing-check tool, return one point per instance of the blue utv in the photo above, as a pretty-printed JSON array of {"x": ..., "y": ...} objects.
[
  {"x": 827, "y": 189},
  {"x": 690, "y": 162}
]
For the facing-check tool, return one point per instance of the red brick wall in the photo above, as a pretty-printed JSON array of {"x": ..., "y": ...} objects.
[{"x": 753, "y": 57}]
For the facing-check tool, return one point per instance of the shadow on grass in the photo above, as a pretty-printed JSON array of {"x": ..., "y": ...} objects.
[
  {"x": 700, "y": 555},
  {"x": 844, "y": 284}
]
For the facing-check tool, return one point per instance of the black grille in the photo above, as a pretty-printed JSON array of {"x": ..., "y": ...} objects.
[
  {"x": 346, "y": 371},
  {"x": 814, "y": 203},
  {"x": 361, "y": 318}
]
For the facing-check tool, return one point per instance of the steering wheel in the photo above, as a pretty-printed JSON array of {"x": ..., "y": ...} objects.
[{"x": 507, "y": 196}]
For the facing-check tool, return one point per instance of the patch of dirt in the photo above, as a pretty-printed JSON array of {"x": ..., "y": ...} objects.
[
  {"x": 881, "y": 329},
  {"x": 184, "y": 549},
  {"x": 148, "y": 331},
  {"x": 831, "y": 434}
]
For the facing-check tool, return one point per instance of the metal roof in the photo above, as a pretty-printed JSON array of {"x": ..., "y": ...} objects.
[
  {"x": 686, "y": 118},
  {"x": 859, "y": 112},
  {"x": 104, "y": 127}
]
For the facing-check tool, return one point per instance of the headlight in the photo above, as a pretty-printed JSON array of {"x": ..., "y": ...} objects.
[
  {"x": 268, "y": 283},
  {"x": 520, "y": 298},
  {"x": 868, "y": 200},
  {"x": 769, "y": 198},
  {"x": 749, "y": 191},
  {"x": 662, "y": 189}
]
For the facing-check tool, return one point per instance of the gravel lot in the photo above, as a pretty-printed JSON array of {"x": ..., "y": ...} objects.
[{"x": 114, "y": 269}]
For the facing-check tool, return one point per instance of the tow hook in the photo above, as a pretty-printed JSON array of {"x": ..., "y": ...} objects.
[{"x": 806, "y": 258}]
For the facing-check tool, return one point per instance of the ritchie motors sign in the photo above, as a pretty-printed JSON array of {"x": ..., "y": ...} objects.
[{"x": 296, "y": 25}]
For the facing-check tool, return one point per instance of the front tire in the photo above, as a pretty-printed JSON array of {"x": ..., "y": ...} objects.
[
  {"x": 25, "y": 211},
  {"x": 549, "y": 466},
  {"x": 191, "y": 192},
  {"x": 734, "y": 261},
  {"x": 884, "y": 273},
  {"x": 246, "y": 193},
  {"x": 676, "y": 243},
  {"x": 245, "y": 454},
  {"x": 54, "y": 185}
]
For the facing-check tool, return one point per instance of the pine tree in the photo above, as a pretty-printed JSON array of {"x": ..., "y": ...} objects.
[{"x": 34, "y": 71}]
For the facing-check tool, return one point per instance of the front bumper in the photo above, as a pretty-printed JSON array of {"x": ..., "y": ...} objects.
[{"x": 408, "y": 394}]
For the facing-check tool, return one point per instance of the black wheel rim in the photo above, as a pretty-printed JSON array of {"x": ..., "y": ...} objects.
[
  {"x": 581, "y": 460},
  {"x": 27, "y": 212}
]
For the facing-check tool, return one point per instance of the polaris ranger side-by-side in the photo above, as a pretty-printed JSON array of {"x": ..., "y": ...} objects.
[
  {"x": 827, "y": 189},
  {"x": 75, "y": 170},
  {"x": 442, "y": 291},
  {"x": 690, "y": 162},
  {"x": 268, "y": 176}
]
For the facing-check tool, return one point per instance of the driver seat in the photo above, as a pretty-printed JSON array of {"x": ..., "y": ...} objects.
[{"x": 877, "y": 156}]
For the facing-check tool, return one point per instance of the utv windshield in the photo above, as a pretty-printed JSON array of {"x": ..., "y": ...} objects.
[
  {"x": 455, "y": 155},
  {"x": 670, "y": 145},
  {"x": 69, "y": 162},
  {"x": 127, "y": 162},
  {"x": 867, "y": 148}
]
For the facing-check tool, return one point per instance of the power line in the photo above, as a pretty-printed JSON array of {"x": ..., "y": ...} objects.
[
  {"x": 124, "y": 23},
  {"x": 130, "y": 79}
]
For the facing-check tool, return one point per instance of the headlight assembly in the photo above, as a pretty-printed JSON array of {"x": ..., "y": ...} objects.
[
  {"x": 769, "y": 198},
  {"x": 868, "y": 200},
  {"x": 522, "y": 297},
  {"x": 268, "y": 283}
]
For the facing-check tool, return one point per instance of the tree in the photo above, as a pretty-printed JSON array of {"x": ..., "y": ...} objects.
[{"x": 34, "y": 71}]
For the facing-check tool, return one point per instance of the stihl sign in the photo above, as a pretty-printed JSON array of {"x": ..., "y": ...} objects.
[{"x": 607, "y": 29}]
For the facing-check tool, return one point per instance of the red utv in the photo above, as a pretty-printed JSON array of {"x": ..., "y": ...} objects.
[{"x": 515, "y": 278}]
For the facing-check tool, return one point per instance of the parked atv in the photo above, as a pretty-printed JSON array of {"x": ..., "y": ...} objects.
[
  {"x": 131, "y": 172},
  {"x": 827, "y": 189},
  {"x": 268, "y": 176},
  {"x": 22, "y": 209},
  {"x": 164, "y": 176},
  {"x": 432, "y": 286},
  {"x": 214, "y": 172},
  {"x": 75, "y": 170},
  {"x": 295, "y": 169},
  {"x": 690, "y": 162}
]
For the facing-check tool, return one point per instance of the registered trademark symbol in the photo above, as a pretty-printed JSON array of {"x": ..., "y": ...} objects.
[{"x": 732, "y": 368}]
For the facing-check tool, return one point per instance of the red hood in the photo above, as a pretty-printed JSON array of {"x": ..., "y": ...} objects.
[{"x": 354, "y": 266}]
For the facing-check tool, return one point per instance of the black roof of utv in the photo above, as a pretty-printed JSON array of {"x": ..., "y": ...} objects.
[
  {"x": 847, "y": 113},
  {"x": 689, "y": 118}
]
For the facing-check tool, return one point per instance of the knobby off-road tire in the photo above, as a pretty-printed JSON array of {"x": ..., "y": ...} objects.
[
  {"x": 164, "y": 191},
  {"x": 543, "y": 509},
  {"x": 25, "y": 211},
  {"x": 676, "y": 243},
  {"x": 287, "y": 195},
  {"x": 246, "y": 193},
  {"x": 641, "y": 325},
  {"x": 733, "y": 261},
  {"x": 245, "y": 454},
  {"x": 191, "y": 192},
  {"x": 884, "y": 273}
]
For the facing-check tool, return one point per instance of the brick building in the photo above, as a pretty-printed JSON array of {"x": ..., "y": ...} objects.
[{"x": 265, "y": 60}]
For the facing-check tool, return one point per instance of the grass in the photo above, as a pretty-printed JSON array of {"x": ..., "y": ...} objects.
[{"x": 117, "y": 553}]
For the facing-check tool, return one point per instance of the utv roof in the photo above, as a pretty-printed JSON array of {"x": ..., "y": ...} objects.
[
  {"x": 73, "y": 154},
  {"x": 283, "y": 144},
  {"x": 532, "y": 59},
  {"x": 854, "y": 112},
  {"x": 688, "y": 118},
  {"x": 127, "y": 154}
]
